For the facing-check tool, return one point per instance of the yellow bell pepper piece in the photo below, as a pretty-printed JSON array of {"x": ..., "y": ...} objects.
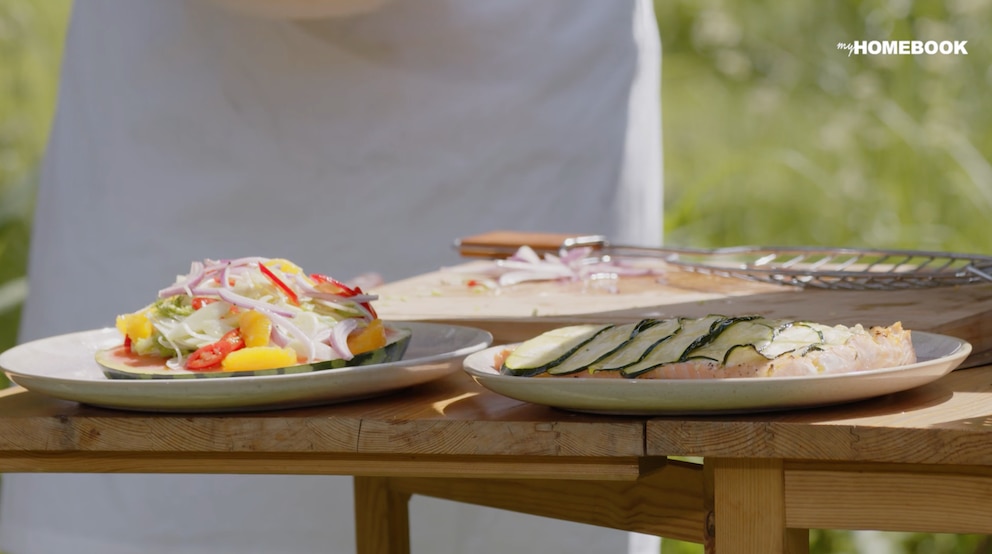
[
  {"x": 368, "y": 338},
  {"x": 284, "y": 265},
  {"x": 136, "y": 326},
  {"x": 255, "y": 328},
  {"x": 259, "y": 357}
]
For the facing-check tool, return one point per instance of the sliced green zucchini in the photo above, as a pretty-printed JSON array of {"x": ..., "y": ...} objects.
[
  {"x": 740, "y": 331},
  {"x": 120, "y": 363},
  {"x": 691, "y": 334},
  {"x": 649, "y": 333},
  {"x": 796, "y": 337},
  {"x": 602, "y": 345},
  {"x": 547, "y": 349},
  {"x": 743, "y": 354}
]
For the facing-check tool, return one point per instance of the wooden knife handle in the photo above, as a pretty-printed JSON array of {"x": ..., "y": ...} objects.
[{"x": 502, "y": 244}]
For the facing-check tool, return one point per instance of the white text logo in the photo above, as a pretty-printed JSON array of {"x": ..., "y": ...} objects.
[{"x": 904, "y": 47}]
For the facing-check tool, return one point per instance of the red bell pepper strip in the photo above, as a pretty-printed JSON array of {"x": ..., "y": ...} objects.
[
  {"x": 344, "y": 290},
  {"x": 338, "y": 286},
  {"x": 367, "y": 305},
  {"x": 279, "y": 283}
]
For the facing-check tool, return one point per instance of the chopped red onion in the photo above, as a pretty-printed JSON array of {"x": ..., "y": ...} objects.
[{"x": 574, "y": 264}]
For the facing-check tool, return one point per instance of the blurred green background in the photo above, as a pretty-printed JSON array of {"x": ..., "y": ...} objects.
[{"x": 772, "y": 135}]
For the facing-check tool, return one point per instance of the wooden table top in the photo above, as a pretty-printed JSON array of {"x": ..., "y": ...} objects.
[
  {"x": 454, "y": 419},
  {"x": 946, "y": 422},
  {"x": 519, "y": 312}
]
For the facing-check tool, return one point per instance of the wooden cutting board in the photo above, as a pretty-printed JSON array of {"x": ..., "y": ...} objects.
[{"x": 522, "y": 311}]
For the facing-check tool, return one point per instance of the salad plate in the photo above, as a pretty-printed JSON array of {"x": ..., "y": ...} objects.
[
  {"x": 937, "y": 356},
  {"x": 64, "y": 367}
]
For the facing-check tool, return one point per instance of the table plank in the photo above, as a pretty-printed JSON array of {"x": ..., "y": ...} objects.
[
  {"x": 382, "y": 519},
  {"x": 451, "y": 416},
  {"x": 946, "y": 422},
  {"x": 449, "y": 427},
  {"x": 668, "y": 501},
  {"x": 888, "y": 497},
  {"x": 748, "y": 503}
]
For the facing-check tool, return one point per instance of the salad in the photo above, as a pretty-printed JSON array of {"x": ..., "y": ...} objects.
[{"x": 256, "y": 313}]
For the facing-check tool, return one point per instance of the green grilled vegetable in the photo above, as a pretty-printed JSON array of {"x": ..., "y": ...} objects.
[
  {"x": 648, "y": 334},
  {"x": 633, "y": 349},
  {"x": 549, "y": 349}
]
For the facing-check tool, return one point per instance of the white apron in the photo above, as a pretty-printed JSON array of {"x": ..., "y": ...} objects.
[{"x": 347, "y": 145}]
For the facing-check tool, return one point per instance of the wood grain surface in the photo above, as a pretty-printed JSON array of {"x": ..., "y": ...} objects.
[
  {"x": 450, "y": 427},
  {"x": 946, "y": 422}
]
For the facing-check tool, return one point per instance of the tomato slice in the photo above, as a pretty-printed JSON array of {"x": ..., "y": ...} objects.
[{"x": 210, "y": 356}]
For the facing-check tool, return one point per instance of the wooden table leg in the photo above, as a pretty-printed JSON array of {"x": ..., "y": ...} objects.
[
  {"x": 749, "y": 509},
  {"x": 382, "y": 519}
]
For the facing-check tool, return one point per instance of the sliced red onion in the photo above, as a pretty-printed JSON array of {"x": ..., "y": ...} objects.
[
  {"x": 244, "y": 302},
  {"x": 313, "y": 292},
  {"x": 544, "y": 267},
  {"x": 225, "y": 277},
  {"x": 278, "y": 337},
  {"x": 196, "y": 274},
  {"x": 295, "y": 331},
  {"x": 241, "y": 262},
  {"x": 526, "y": 254},
  {"x": 517, "y": 277},
  {"x": 572, "y": 255},
  {"x": 574, "y": 264},
  {"x": 339, "y": 337},
  {"x": 211, "y": 292}
]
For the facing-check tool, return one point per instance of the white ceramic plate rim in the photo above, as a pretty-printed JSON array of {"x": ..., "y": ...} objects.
[
  {"x": 70, "y": 372},
  {"x": 938, "y": 355}
]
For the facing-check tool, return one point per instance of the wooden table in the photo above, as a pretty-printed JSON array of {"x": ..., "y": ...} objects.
[{"x": 919, "y": 460}]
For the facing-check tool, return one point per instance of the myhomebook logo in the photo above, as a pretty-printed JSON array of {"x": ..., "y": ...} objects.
[{"x": 904, "y": 47}]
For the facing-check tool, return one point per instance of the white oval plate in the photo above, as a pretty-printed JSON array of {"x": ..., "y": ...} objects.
[
  {"x": 938, "y": 355},
  {"x": 64, "y": 367}
]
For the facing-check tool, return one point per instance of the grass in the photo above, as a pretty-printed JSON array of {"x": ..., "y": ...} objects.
[{"x": 772, "y": 136}]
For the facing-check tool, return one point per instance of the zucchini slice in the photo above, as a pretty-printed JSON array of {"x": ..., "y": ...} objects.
[
  {"x": 602, "y": 345},
  {"x": 742, "y": 354},
  {"x": 691, "y": 334},
  {"x": 119, "y": 363},
  {"x": 753, "y": 331},
  {"x": 548, "y": 349},
  {"x": 648, "y": 334},
  {"x": 795, "y": 337}
]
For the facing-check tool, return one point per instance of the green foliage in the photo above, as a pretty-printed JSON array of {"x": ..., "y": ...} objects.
[
  {"x": 30, "y": 47},
  {"x": 774, "y": 136}
]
